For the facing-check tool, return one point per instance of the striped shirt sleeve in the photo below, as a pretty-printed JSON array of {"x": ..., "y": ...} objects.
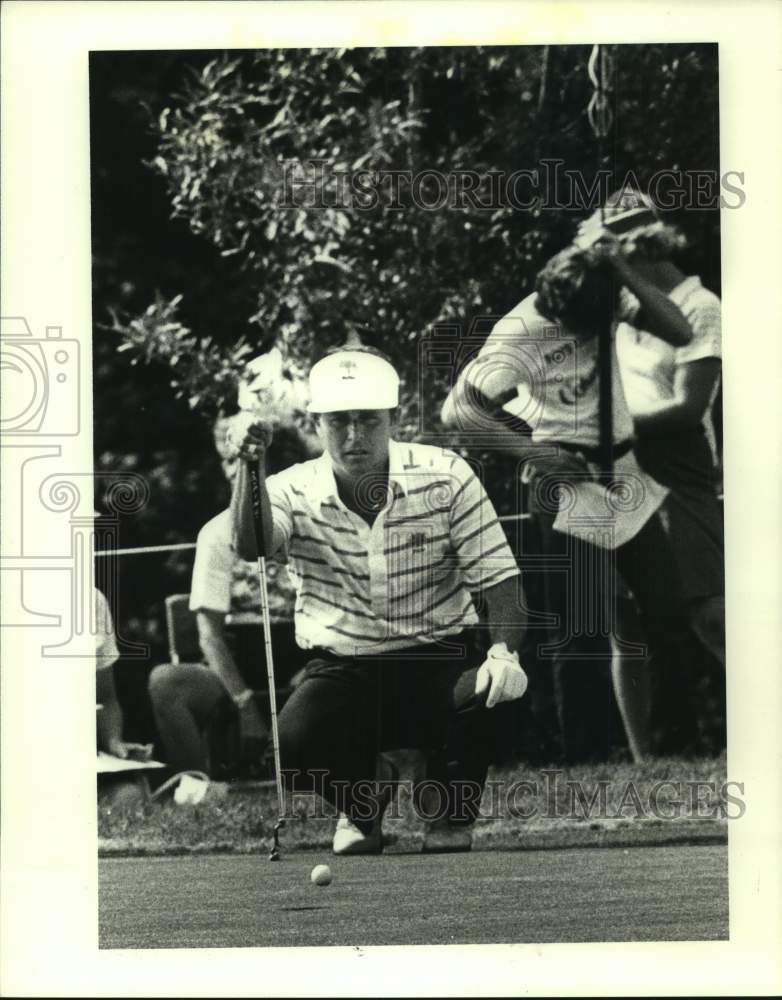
[{"x": 482, "y": 551}]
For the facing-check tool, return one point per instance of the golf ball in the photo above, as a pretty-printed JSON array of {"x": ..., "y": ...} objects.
[{"x": 321, "y": 875}]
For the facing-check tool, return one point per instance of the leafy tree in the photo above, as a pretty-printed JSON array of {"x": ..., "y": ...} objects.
[{"x": 257, "y": 152}]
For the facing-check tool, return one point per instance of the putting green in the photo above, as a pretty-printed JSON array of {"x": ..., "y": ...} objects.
[{"x": 675, "y": 893}]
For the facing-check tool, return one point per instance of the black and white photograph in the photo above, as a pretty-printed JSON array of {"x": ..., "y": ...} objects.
[{"x": 387, "y": 514}]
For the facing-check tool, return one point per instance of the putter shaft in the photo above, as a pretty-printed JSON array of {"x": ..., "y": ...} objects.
[{"x": 257, "y": 510}]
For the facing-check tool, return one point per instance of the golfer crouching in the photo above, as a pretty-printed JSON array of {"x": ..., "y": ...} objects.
[{"x": 387, "y": 543}]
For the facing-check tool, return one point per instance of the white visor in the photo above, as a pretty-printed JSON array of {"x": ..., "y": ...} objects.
[{"x": 353, "y": 380}]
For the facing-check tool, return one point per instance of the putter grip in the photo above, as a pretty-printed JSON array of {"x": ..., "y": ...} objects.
[{"x": 255, "y": 499}]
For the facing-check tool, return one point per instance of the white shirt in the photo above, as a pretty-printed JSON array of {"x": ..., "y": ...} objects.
[
  {"x": 106, "y": 652},
  {"x": 556, "y": 379},
  {"x": 224, "y": 583},
  {"x": 648, "y": 364}
]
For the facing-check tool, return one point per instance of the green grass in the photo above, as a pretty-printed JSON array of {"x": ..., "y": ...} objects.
[{"x": 544, "y": 813}]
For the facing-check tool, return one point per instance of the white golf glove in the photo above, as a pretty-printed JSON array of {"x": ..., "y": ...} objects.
[{"x": 502, "y": 674}]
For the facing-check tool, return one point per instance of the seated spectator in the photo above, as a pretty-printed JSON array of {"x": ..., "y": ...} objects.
[
  {"x": 109, "y": 722},
  {"x": 207, "y": 717},
  {"x": 117, "y": 789}
]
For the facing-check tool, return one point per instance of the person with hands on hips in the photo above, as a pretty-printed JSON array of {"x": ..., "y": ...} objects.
[{"x": 386, "y": 542}]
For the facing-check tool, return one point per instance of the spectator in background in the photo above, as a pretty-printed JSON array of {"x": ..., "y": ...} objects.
[
  {"x": 535, "y": 387},
  {"x": 670, "y": 391},
  {"x": 109, "y": 721},
  {"x": 199, "y": 707},
  {"x": 207, "y": 717}
]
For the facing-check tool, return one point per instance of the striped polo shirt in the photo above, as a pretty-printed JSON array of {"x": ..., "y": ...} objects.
[{"x": 407, "y": 579}]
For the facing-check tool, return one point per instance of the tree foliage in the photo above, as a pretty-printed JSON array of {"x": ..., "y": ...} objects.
[{"x": 257, "y": 152}]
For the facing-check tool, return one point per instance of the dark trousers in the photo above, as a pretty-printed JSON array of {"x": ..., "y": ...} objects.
[
  {"x": 346, "y": 710},
  {"x": 581, "y": 585}
]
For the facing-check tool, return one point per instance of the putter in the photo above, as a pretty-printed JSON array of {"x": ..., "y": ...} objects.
[{"x": 255, "y": 492}]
